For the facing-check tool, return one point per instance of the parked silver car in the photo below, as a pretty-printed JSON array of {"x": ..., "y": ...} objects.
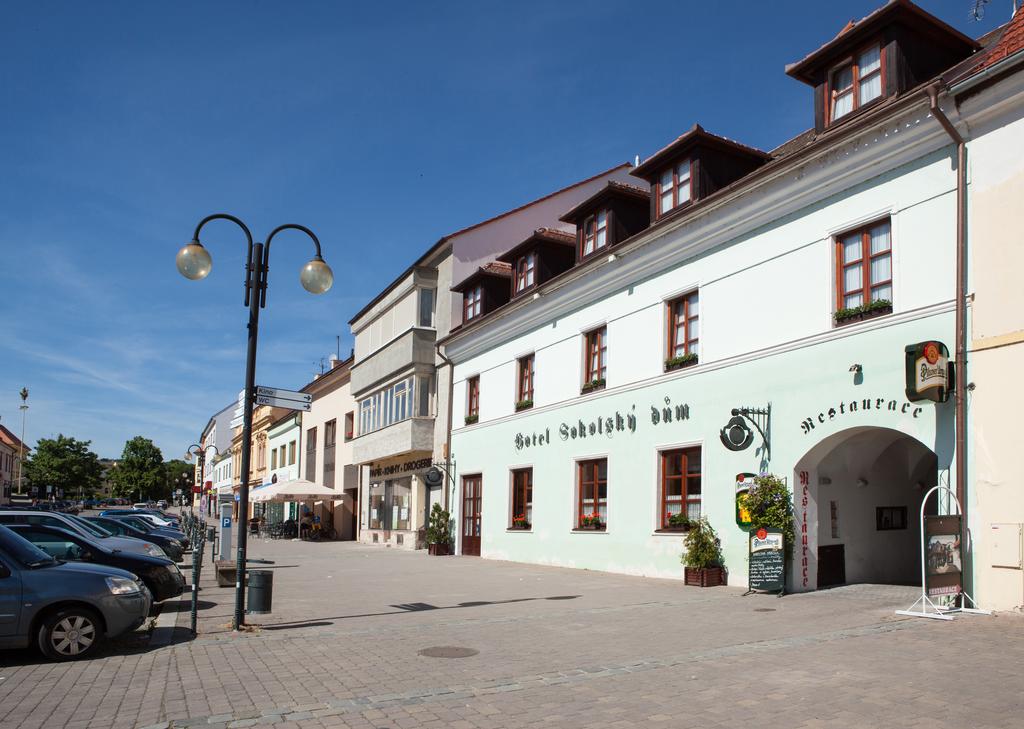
[
  {"x": 66, "y": 608},
  {"x": 80, "y": 526}
]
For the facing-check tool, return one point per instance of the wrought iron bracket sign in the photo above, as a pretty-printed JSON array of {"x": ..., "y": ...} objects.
[{"x": 737, "y": 435}]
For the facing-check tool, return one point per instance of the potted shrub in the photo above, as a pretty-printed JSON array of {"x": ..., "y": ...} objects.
[
  {"x": 470, "y": 419},
  {"x": 677, "y": 363},
  {"x": 678, "y": 522},
  {"x": 771, "y": 506},
  {"x": 520, "y": 522},
  {"x": 703, "y": 555},
  {"x": 438, "y": 531},
  {"x": 862, "y": 312},
  {"x": 592, "y": 385},
  {"x": 591, "y": 521},
  {"x": 524, "y": 405}
]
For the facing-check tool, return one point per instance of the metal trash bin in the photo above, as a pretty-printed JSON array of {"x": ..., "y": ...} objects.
[
  {"x": 211, "y": 533},
  {"x": 261, "y": 591}
]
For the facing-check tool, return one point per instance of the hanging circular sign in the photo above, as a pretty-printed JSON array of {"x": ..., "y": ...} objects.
[{"x": 736, "y": 435}]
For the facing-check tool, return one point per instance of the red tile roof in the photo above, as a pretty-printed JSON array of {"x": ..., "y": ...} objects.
[
  {"x": 1011, "y": 42},
  {"x": 494, "y": 269},
  {"x": 6, "y": 436}
]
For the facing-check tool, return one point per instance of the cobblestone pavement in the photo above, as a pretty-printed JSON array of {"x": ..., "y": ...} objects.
[{"x": 551, "y": 648}]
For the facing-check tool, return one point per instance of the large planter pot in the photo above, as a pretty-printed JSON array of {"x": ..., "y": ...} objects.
[
  {"x": 438, "y": 550},
  {"x": 704, "y": 576}
]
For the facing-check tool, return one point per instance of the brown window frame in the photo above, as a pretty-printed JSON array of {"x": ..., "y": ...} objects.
[
  {"x": 473, "y": 303},
  {"x": 584, "y": 237},
  {"x": 853, "y": 62},
  {"x": 866, "y": 256},
  {"x": 525, "y": 266},
  {"x": 473, "y": 396},
  {"x": 522, "y": 496},
  {"x": 350, "y": 424},
  {"x": 595, "y": 343},
  {"x": 594, "y": 483},
  {"x": 524, "y": 379},
  {"x": 684, "y": 500},
  {"x": 675, "y": 187},
  {"x": 330, "y": 433},
  {"x": 674, "y": 323}
]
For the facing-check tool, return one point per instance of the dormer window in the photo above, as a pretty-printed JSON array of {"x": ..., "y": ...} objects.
[
  {"x": 674, "y": 187},
  {"x": 595, "y": 233},
  {"x": 472, "y": 302},
  {"x": 526, "y": 272},
  {"x": 856, "y": 83}
]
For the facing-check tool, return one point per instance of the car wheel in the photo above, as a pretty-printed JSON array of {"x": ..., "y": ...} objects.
[{"x": 69, "y": 634}]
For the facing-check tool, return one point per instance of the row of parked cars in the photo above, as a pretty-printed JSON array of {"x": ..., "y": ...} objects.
[{"x": 67, "y": 581}]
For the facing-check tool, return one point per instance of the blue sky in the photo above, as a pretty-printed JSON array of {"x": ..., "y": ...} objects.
[{"x": 379, "y": 126}]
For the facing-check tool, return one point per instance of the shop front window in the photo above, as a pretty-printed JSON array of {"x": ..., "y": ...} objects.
[{"x": 390, "y": 504}]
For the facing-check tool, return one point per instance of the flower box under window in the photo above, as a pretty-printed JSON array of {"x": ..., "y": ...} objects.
[
  {"x": 524, "y": 405},
  {"x": 520, "y": 523},
  {"x": 880, "y": 307},
  {"x": 592, "y": 386},
  {"x": 678, "y": 363},
  {"x": 470, "y": 419}
]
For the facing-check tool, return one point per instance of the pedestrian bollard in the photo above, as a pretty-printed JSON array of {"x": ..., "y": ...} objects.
[{"x": 197, "y": 565}]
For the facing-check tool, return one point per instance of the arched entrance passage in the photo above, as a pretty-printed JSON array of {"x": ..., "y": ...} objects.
[{"x": 857, "y": 498}]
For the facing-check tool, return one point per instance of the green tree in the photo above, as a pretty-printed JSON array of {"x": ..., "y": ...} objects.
[
  {"x": 175, "y": 469},
  {"x": 64, "y": 463},
  {"x": 140, "y": 471}
]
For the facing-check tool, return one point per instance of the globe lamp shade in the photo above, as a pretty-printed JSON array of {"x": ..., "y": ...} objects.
[
  {"x": 316, "y": 276},
  {"x": 194, "y": 261}
]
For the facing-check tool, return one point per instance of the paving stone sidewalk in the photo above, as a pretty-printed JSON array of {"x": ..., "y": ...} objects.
[{"x": 550, "y": 648}]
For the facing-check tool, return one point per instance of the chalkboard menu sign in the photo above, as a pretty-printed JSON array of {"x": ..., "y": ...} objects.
[{"x": 767, "y": 564}]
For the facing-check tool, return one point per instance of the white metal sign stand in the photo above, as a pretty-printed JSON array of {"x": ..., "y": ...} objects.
[{"x": 929, "y": 609}]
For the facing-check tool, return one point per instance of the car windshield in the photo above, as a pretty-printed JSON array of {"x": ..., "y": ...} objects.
[
  {"x": 94, "y": 529},
  {"x": 138, "y": 523},
  {"x": 23, "y": 550}
]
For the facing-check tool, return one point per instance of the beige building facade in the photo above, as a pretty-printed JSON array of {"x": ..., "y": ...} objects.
[{"x": 992, "y": 114}]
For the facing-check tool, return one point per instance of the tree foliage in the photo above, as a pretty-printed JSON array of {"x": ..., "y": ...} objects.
[
  {"x": 771, "y": 506},
  {"x": 140, "y": 471},
  {"x": 64, "y": 463},
  {"x": 175, "y": 469}
]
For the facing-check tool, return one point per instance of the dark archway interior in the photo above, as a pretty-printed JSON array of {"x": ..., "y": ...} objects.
[{"x": 870, "y": 488}]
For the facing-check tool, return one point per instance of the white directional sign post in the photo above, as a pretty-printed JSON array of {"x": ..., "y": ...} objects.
[{"x": 278, "y": 398}]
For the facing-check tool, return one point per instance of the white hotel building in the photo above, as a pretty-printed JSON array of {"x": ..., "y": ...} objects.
[{"x": 606, "y": 387}]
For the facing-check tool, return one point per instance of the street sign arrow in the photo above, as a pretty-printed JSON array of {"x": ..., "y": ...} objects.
[
  {"x": 284, "y": 394},
  {"x": 280, "y": 402}
]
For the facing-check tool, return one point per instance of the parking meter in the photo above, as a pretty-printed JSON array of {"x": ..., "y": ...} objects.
[{"x": 225, "y": 532}]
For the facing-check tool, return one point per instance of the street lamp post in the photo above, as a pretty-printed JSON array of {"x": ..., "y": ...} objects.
[
  {"x": 21, "y": 446},
  {"x": 193, "y": 262},
  {"x": 200, "y": 454}
]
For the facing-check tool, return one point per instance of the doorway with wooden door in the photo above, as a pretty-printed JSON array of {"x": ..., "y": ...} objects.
[{"x": 471, "y": 488}]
